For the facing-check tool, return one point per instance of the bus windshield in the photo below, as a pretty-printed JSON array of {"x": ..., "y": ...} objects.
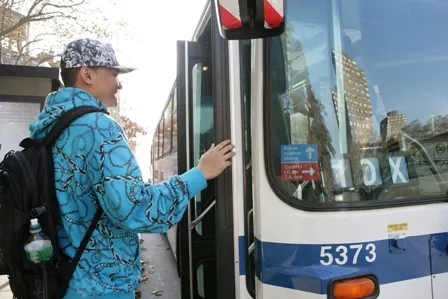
[{"x": 357, "y": 101}]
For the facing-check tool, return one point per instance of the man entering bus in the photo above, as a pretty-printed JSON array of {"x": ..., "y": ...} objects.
[{"x": 95, "y": 169}]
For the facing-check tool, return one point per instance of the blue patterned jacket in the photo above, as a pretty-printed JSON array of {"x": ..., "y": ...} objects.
[{"x": 94, "y": 166}]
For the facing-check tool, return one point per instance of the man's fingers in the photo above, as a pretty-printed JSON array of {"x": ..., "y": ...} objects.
[
  {"x": 228, "y": 148},
  {"x": 229, "y": 155},
  {"x": 222, "y": 144}
]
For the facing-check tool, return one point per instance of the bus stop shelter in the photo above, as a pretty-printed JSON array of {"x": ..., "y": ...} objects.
[{"x": 23, "y": 90}]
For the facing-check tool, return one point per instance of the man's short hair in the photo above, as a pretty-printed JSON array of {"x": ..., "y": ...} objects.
[{"x": 69, "y": 76}]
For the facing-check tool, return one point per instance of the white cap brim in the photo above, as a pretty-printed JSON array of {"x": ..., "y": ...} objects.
[{"x": 123, "y": 69}]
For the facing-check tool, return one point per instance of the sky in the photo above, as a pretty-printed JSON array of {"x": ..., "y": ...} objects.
[{"x": 153, "y": 51}]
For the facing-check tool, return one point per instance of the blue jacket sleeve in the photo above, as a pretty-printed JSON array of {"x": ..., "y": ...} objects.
[{"x": 126, "y": 199}]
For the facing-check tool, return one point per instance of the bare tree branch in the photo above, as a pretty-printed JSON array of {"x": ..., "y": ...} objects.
[
  {"x": 61, "y": 6},
  {"x": 61, "y": 18},
  {"x": 22, "y": 48},
  {"x": 33, "y": 6},
  {"x": 46, "y": 59},
  {"x": 49, "y": 17},
  {"x": 38, "y": 16}
]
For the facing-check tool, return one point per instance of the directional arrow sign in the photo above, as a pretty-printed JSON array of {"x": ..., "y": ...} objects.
[
  {"x": 297, "y": 153},
  {"x": 309, "y": 171},
  {"x": 310, "y": 152},
  {"x": 298, "y": 172}
]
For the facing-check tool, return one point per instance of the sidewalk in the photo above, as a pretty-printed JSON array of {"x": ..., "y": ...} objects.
[
  {"x": 159, "y": 281},
  {"x": 5, "y": 291}
]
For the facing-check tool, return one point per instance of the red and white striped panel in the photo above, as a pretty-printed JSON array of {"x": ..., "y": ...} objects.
[
  {"x": 229, "y": 12},
  {"x": 273, "y": 13}
]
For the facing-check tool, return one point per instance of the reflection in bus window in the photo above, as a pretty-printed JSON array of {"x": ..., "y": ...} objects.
[
  {"x": 363, "y": 82},
  {"x": 165, "y": 143},
  {"x": 154, "y": 147},
  {"x": 160, "y": 138},
  {"x": 167, "y": 128},
  {"x": 203, "y": 137},
  {"x": 174, "y": 120}
]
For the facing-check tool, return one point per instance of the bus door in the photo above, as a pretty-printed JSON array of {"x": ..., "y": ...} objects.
[{"x": 196, "y": 238}]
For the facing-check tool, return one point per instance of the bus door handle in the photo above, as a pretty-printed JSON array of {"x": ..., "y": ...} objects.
[
  {"x": 250, "y": 229},
  {"x": 195, "y": 222}
]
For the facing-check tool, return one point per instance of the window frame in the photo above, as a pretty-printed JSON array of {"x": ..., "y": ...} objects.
[{"x": 245, "y": 89}]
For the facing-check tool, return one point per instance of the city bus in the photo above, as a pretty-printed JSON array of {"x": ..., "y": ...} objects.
[{"x": 338, "y": 113}]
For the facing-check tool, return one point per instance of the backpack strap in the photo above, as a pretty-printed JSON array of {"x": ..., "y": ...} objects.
[
  {"x": 67, "y": 272},
  {"x": 84, "y": 242},
  {"x": 66, "y": 119}
]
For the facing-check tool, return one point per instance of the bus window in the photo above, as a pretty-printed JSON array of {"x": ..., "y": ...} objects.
[
  {"x": 153, "y": 148},
  {"x": 209, "y": 265},
  {"x": 203, "y": 125},
  {"x": 167, "y": 128},
  {"x": 203, "y": 136},
  {"x": 174, "y": 120},
  {"x": 160, "y": 138},
  {"x": 356, "y": 102},
  {"x": 156, "y": 141}
]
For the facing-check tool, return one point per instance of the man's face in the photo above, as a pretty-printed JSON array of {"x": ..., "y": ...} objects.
[{"x": 104, "y": 85}]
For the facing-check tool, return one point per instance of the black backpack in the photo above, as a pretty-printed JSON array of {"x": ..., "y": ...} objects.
[{"x": 27, "y": 190}]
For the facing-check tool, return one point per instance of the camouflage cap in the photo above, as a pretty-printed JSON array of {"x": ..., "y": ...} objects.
[{"x": 91, "y": 53}]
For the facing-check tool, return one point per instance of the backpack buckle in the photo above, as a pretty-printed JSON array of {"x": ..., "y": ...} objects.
[{"x": 37, "y": 212}]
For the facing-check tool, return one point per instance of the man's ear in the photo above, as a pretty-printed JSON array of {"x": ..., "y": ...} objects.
[{"x": 85, "y": 74}]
